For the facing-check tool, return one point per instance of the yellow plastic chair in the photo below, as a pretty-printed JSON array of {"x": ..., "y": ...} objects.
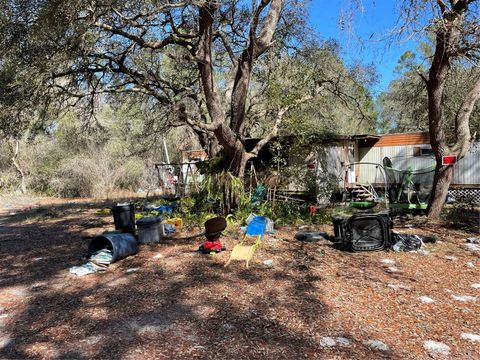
[{"x": 243, "y": 251}]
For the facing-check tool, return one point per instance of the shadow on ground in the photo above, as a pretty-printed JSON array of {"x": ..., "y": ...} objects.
[{"x": 183, "y": 306}]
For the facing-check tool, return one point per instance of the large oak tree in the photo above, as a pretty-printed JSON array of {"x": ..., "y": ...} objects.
[
  {"x": 195, "y": 58},
  {"x": 456, "y": 25}
]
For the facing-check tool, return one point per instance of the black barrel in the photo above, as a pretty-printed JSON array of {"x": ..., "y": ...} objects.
[
  {"x": 122, "y": 245},
  {"x": 124, "y": 218},
  {"x": 150, "y": 229}
]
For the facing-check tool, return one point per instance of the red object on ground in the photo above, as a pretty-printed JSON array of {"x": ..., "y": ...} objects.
[
  {"x": 212, "y": 245},
  {"x": 313, "y": 209},
  {"x": 449, "y": 160}
]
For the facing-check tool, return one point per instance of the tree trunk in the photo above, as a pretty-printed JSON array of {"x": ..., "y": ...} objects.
[
  {"x": 234, "y": 148},
  {"x": 441, "y": 183},
  {"x": 239, "y": 163},
  {"x": 231, "y": 136},
  {"x": 15, "y": 151},
  {"x": 236, "y": 157},
  {"x": 436, "y": 101},
  {"x": 207, "y": 141},
  {"x": 447, "y": 39}
]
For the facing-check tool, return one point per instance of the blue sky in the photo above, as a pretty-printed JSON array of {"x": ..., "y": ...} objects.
[{"x": 372, "y": 26}]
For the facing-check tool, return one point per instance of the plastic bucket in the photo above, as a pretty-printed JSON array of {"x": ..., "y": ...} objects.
[
  {"x": 122, "y": 245},
  {"x": 150, "y": 229},
  {"x": 124, "y": 218}
]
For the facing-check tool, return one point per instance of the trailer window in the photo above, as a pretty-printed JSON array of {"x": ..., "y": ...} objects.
[{"x": 420, "y": 151}]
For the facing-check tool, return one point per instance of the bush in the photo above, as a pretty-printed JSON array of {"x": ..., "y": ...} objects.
[
  {"x": 42, "y": 161},
  {"x": 462, "y": 215},
  {"x": 71, "y": 158},
  {"x": 95, "y": 176},
  {"x": 9, "y": 180},
  {"x": 75, "y": 177},
  {"x": 129, "y": 174}
]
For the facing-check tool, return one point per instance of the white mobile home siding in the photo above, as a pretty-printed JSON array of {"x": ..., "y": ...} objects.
[
  {"x": 466, "y": 171},
  {"x": 335, "y": 158},
  {"x": 401, "y": 157}
]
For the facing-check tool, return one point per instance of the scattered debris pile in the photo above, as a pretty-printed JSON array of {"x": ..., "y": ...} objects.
[
  {"x": 106, "y": 249},
  {"x": 311, "y": 236},
  {"x": 409, "y": 242},
  {"x": 369, "y": 232},
  {"x": 98, "y": 261},
  {"x": 269, "y": 229}
]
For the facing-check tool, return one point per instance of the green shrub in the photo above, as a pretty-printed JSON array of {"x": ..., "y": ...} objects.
[{"x": 466, "y": 214}]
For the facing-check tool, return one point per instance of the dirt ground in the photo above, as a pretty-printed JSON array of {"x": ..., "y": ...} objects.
[{"x": 168, "y": 302}]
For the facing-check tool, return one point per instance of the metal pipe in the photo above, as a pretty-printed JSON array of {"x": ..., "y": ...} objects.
[{"x": 165, "y": 149}]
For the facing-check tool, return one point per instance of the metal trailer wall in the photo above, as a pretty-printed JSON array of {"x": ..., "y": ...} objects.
[
  {"x": 330, "y": 171},
  {"x": 466, "y": 172},
  {"x": 329, "y": 167},
  {"x": 334, "y": 159}
]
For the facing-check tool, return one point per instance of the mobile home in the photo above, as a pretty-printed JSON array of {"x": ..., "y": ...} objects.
[{"x": 359, "y": 160}]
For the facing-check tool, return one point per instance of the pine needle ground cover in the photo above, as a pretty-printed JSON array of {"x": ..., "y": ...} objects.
[{"x": 168, "y": 302}]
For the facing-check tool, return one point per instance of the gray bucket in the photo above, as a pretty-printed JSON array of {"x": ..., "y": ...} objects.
[
  {"x": 150, "y": 229},
  {"x": 122, "y": 245}
]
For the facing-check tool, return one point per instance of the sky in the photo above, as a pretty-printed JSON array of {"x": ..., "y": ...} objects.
[{"x": 373, "y": 26}]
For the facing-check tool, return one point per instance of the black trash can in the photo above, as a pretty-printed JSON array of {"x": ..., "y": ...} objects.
[
  {"x": 124, "y": 218},
  {"x": 122, "y": 245},
  {"x": 150, "y": 229}
]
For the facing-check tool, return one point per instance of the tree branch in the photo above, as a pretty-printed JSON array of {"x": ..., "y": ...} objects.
[
  {"x": 269, "y": 25},
  {"x": 227, "y": 47},
  {"x": 196, "y": 124},
  {"x": 205, "y": 66},
  {"x": 462, "y": 128},
  {"x": 154, "y": 45},
  {"x": 274, "y": 132},
  {"x": 256, "y": 46}
]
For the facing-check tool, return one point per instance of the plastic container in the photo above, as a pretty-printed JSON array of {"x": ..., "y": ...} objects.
[
  {"x": 122, "y": 245},
  {"x": 150, "y": 229},
  {"x": 177, "y": 222},
  {"x": 369, "y": 232},
  {"x": 364, "y": 232},
  {"x": 162, "y": 209},
  {"x": 124, "y": 218}
]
